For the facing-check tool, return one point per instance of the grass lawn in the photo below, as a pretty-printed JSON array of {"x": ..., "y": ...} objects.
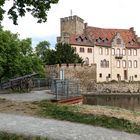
[
  {"x": 11, "y": 136},
  {"x": 76, "y": 113}
]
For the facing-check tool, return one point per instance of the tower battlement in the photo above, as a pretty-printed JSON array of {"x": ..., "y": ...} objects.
[{"x": 72, "y": 18}]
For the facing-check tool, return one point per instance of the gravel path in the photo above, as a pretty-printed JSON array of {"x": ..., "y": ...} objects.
[
  {"x": 59, "y": 130},
  {"x": 33, "y": 96}
]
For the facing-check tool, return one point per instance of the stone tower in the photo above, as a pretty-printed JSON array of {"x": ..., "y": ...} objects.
[{"x": 71, "y": 25}]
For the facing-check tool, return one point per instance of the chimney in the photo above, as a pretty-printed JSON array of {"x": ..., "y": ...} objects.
[
  {"x": 132, "y": 28},
  {"x": 86, "y": 24}
]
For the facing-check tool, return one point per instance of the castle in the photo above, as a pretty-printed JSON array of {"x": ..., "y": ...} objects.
[{"x": 114, "y": 51}]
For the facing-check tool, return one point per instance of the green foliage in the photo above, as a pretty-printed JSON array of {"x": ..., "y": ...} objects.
[
  {"x": 17, "y": 57},
  {"x": 70, "y": 113},
  {"x": 37, "y": 8},
  {"x": 10, "y": 136},
  {"x": 63, "y": 53},
  {"x": 42, "y": 50}
]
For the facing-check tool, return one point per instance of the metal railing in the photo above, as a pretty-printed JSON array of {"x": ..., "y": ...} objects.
[{"x": 65, "y": 88}]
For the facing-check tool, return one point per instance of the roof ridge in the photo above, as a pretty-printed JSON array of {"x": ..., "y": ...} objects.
[{"x": 108, "y": 28}]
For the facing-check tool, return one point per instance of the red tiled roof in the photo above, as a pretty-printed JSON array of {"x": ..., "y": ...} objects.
[
  {"x": 106, "y": 37},
  {"x": 82, "y": 40}
]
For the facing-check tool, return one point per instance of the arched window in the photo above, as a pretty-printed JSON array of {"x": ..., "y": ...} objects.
[
  {"x": 101, "y": 64},
  {"x": 118, "y": 64},
  {"x": 100, "y": 51},
  {"x": 106, "y": 51},
  {"x": 118, "y": 41},
  {"x": 118, "y": 52},
  {"x": 87, "y": 61},
  {"x": 113, "y": 51},
  {"x": 104, "y": 63},
  {"x": 107, "y": 64},
  {"x": 124, "y": 63},
  {"x": 129, "y": 64},
  {"x": 135, "y": 52},
  {"x": 135, "y": 64},
  {"x": 124, "y": 52},
  {"x": 129, "y": 52}
]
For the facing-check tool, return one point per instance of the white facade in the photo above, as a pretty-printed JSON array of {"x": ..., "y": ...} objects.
[
  {"x": 114, "y": 51},
  {"x": 113, "y": 63}
]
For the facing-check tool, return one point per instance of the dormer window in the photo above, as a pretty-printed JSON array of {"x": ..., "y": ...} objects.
[
  {"x": 105, "y": 40},
  {"x": 99, "y": 40},
  {"x": 86, "y": 38},
  {"x": 131, "y": 42},
  {"x": 118, "y": 41},
  {"x": 79, "y": 39}
]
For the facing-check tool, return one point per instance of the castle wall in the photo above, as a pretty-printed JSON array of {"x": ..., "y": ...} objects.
[{"x": 85, "y": 74}]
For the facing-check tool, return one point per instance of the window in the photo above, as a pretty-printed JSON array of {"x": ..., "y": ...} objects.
[
  {"x": 136, "y": 76},
  {"x": 118, "y": 63},
  {"x": 82, "y": 50},
  {"x": 124, "y": 52},
  {"x": 135, "y": 64},
  {"x": 107, "y": 64},
  {"x": 129, "y": 64},
  {"x": 74, "y": 49},
  {"x": 104, "y": 63},
  {"x": 118, "y": 75},
  {"x": 109, "y": 75},
  {"x": 129, "y": 52},
  {"x": 118, "y": 41},
  {"x": 101, "y": 51},
  {"x": 89, "y": 50},
  {"x": 135, "y": 52},
  {"x": 100, "y": 75},
  {"x": 101, "y": 64},
  {"x": 106, "y": 51},
  {"x": 124, "y": 63},
  {"x": 113, "y": 51},
  {"x": 86, "y": 60},
  {"x": 118, "y": 52}
]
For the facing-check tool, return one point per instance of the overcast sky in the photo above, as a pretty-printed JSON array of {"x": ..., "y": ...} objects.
[{"x": 98, "y": 13}]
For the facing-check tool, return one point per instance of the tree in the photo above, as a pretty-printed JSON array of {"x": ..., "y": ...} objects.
[
  {"x": 37, "y": 8},
  {"x": 63, "y": 53},
  {"x": 17, "y": 57},
  {"x": 66, "y": 54},
  {"x": 42, "y": 50}
]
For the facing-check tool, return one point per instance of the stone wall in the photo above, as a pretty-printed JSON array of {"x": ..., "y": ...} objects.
[
  {"x": 118, "y": 87},
  {"x": 127, "y": 101},
  {"x": 85, "y": 74}
]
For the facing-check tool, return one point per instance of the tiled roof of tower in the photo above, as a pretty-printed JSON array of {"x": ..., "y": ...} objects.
[{"x": 106, "y": 36}]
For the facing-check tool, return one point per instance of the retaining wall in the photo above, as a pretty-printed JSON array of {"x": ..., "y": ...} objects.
[{"x": 123, "y": 100}]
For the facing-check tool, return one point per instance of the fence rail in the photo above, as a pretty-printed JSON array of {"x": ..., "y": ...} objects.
[{"x": 65, "y": 88}]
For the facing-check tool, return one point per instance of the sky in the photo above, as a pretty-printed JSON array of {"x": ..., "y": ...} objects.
[{"x": 98, "y": 13}]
